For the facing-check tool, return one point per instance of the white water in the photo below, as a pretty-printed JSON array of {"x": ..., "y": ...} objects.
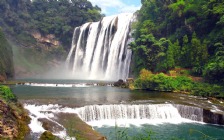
[
  {"x": 100, "y": 49},
  {"x": 126, "y": 115},
  {"x": 40, "y": 112},
  {"x": 59, "y": 85},
  {"x": 111, "y": 115}
]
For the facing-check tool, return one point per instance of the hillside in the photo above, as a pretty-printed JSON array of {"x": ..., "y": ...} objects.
[
  {"x": 180, "y": 34},
  {"x": 40, "y": 31},
  {"x": 6, "y": 62}
]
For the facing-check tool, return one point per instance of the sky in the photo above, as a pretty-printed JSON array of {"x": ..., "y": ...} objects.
[{"x": 113, "y": 7}]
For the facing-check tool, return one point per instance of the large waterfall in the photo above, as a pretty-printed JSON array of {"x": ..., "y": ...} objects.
[{"x": 100, "y": 49}]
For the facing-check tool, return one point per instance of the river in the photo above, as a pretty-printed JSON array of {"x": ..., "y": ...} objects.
[{"x": 46, "y": 98}]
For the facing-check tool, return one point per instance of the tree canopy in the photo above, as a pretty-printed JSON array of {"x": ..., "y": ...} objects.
[
  {"x": 179, "y": 33},
  {"x": 58, "y": 17}
]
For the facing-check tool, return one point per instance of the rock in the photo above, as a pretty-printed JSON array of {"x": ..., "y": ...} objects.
[
  {"x": 213, "y": 118},
  {"x": 49, "y": 39},
  {"x": 14, "y": 121},
  {"x": 2, "y": 78},
  {"x": 47, "y": 136},
  {"x": 50, "y": 126},
  {"x": 120, "y": 83}
]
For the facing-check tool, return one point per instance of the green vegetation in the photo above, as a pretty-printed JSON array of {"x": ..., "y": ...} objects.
[
  {"x": 186, "y": 34},
  {"x": 162, "y": 82},
  {"x": 47, "y": 136},
  {"x": 6, "y": 63},
  {"x": 14, "y": 119},
  {"x": 58, "y": 17},
  {"x": 6, "y": 94}
]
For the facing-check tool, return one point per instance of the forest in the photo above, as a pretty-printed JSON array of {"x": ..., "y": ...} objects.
[
  {"x": 180, "y": 37},
  {"x": 57, "y": 17}
]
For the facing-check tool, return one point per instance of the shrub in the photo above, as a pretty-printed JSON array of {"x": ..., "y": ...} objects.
[
  {"x": 208, "y": 90},
  {"x": 183, "y": 83},
  {"x": 6, "y": 93},
  {"x": 162, "y": 82}
]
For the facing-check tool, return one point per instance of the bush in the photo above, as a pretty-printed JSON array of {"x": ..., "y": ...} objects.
[
  {"x": 183, "y": 83},
  {"x": 162, "y": 82},
  {"x": 6, "y": 93},
  {"x": 208, "y": 90},
  {"x": 214, "y": 72},
  {"x": 159, "y": 82}
]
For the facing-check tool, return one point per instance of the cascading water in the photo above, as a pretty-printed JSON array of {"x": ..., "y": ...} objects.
[
  {"x": 162, "y": 112},
  {"x": 100, "y": 49},
  {"x": 190, "y": 112}
]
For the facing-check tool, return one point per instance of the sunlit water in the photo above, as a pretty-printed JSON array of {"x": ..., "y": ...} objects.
[{"x": 68, "y": 95}]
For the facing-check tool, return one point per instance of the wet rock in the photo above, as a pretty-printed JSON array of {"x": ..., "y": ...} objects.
[
  {"x": 213, "y": 118},
  {"x": 50, "y": 126},
  {"x": 47, "y": 136},
  {"x": 120, "y": 83}
]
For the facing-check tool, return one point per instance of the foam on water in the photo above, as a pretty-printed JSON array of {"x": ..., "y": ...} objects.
[
  {"x": 100, "y": 115},
  {"x": 58, "y": 85},
  {"x": 40, "y": 112}
]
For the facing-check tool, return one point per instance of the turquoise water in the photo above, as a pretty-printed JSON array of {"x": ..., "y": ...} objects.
[
  {"x": 90, "y": 95},
  {"x": 186, "y": 131}
]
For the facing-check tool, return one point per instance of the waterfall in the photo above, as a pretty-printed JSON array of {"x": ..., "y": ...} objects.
[
  {"x": 162, "y": 112},
  {"x": 190, "y": 112},
  {"x": 108, "y": 112},
  {"x": 100, "y": 49}
]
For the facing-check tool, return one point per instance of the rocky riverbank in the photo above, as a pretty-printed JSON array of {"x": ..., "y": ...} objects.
[{"x": 13, "y": 119}]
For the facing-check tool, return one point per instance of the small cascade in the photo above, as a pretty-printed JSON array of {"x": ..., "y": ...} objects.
[
  {"x": 109, "y": 112},
  {"x": 190, "y": 112},
  {"x": 100, "y": 49},
  {"x": 122, "y": 115},
  {"x": 37, "y": 113}
]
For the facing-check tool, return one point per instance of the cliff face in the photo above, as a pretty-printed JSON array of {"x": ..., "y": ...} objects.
[
  {"x": 6, "y": 59},
  {"x": 48, "y": 39}
]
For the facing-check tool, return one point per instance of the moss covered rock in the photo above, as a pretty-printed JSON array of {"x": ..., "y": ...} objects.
[{"x": 47, "y": 135}]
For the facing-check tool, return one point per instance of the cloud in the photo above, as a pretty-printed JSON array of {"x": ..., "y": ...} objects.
[
  {"x": 130, "y": 9},
  {"x": 110, "y": 7}
]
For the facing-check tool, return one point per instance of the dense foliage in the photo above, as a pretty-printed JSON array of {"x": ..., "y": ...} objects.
[
  {"x": 6, "y": 63},
  {"x": 58, "y": 17},
  {"x": 161, "y": 82},
  {"x": 178, "y": 33},
  {"x": 6, "y": 93}
]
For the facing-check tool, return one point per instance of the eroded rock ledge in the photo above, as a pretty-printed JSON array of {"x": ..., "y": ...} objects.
[{"x": 13, "y": 120}]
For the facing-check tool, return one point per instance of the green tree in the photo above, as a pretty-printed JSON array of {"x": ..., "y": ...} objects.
[
  {"x": 186, "y": 53},
  {"x": 214, "y": 70},
  {"x": 176, "y": 52},
  {"x": 195, "y": 50},
  {"x": 170, "y": 57}
]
